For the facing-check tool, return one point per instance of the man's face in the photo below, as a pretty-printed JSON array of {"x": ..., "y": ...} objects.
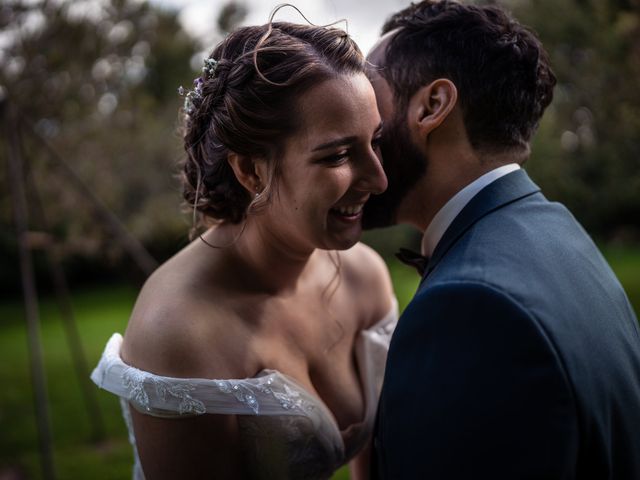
[{"x": 404, "y": 164}]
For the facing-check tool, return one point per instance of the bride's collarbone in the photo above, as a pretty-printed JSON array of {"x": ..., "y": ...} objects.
[
  {"x": 305, "y": 337},
  {"x": 306, "y": 310},
  {"x": 305, "y": 344}
]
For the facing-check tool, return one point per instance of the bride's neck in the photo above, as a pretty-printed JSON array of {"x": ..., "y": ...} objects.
[{"x": 266, "y": 263}]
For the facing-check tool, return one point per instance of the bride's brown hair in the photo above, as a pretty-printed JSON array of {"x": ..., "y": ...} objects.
[{"x": 248, "y": 106}]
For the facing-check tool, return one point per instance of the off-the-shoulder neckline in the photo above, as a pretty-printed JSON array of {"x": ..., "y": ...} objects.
[
  {"x": 382, "y": 323},
  {"x": 286, "y": 378},
  {"x": 260, "y": 376}
]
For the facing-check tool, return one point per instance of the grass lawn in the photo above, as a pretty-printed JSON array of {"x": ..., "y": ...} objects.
[{"x": 101, "y": 312}]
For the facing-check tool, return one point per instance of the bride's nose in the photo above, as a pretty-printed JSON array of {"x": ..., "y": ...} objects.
[{"x": 370, "y": 174}]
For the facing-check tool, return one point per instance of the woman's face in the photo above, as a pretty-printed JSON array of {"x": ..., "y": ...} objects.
[{"x": 330, "y": 167}]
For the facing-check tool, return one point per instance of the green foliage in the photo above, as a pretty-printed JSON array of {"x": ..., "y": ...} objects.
[
  {"x": 586, "y": 153},
  {"x": 388, "y": 241},
  {"x": 100, "y": 86},
  {"x": 99, "y": 313},
  {"x": 231, "y": 15},
  {"x": 625, "y": 262}
]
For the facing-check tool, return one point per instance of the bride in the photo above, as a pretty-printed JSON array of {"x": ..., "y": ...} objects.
[{"x": 258, "y": 350}]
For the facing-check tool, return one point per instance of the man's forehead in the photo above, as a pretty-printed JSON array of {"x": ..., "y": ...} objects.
[{"x": 376, "y": 54}]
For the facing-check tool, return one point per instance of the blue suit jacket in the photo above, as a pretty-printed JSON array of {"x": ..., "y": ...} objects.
[{"x": 518, "y": 357}]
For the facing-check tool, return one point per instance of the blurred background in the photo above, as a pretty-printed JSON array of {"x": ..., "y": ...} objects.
[{"x": 89, "y": 111}]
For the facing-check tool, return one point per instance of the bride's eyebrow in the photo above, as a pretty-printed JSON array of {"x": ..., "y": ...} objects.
[
  {"x": 343, "y": 141},
  {"x": 335, "y": 143}
]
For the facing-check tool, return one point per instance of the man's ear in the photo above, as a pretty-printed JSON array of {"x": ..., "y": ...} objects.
[
  {"x": 250, "y": 171},
  {"x": 431, "y": 105}
]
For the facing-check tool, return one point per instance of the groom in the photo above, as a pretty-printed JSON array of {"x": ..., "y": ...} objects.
[{"x": 519, "y": 356}]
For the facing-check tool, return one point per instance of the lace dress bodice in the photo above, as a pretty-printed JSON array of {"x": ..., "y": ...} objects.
[{"x": 286, "y": 432}]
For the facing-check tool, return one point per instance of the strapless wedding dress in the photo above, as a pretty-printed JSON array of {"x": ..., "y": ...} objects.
[{"x": 286, "y": 432}]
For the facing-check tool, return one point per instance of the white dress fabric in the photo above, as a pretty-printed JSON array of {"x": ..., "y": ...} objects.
[{"x": 285, "y": 431}]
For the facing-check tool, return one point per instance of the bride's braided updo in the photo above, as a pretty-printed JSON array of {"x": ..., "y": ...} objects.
[{"x": 247, "y": 105}]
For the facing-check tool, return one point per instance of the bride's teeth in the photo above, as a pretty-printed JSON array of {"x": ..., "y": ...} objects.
[{"x": 351, "y": 210}]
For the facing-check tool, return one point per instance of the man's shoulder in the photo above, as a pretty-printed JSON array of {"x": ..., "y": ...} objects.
[
  {"x": 465, "y": 296},
  {"x": 518, "y": 245},
  {"x": 558, "y": 289}
]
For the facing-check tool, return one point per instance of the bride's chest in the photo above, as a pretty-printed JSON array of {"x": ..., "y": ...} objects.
[
  {"x": 319, "y": 353},
  {"x": 332, "y": 376},
  {"x": 295, "y": 447},
  {"x": 310, "y": 445}
]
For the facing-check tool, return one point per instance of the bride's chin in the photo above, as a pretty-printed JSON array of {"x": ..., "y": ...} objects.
[{"x": 344, "y": 243}]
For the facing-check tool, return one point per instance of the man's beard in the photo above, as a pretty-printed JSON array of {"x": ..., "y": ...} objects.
[{"x": 404, "y": 165}]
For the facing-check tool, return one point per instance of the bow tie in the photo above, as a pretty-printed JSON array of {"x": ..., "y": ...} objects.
[{"x": 413, "y": 259}]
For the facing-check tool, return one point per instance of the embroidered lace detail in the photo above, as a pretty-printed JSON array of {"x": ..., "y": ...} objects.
[
  {"x": 136, "y": 472},
  {"x": 134, "y": 380},
  {"x": 290, "y": 399},
  {"x": 248, "y": 392}
]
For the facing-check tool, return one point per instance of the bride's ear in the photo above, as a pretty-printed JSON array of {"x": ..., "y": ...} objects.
[
  {"x": 250, "y": 171},
  {"x": 431, "y": 105}
]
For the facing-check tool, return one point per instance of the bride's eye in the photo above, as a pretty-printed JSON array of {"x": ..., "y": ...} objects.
[
  {"x": 336, "y": 159},
  {"x": 375, "y": 143}
]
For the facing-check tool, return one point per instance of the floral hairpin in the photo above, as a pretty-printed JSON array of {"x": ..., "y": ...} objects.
[{"x": 208, "y": 71}]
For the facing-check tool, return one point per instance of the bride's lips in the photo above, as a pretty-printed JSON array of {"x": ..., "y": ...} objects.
[{"x": 348, "y": 213}]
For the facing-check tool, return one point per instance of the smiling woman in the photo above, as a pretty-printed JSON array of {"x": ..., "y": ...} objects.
[
  {"x": 258, "y": 350},
  {"x": 334, "y": 147}
]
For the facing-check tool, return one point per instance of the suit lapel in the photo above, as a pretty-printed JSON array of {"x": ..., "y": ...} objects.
[{"x": 503, "y": 191}]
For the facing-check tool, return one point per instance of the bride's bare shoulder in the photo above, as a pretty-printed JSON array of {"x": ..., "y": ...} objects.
[
  {"x": 179, "y": 327},
  {"x": 367, "y": 276}
]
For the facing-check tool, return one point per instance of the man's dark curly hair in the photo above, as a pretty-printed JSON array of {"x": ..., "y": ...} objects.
[{"x": 499, "y": 67}]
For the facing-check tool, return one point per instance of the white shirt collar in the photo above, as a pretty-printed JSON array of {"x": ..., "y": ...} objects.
[{"x": 445, "y": 216}]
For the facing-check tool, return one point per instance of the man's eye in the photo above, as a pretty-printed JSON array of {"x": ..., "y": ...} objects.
[{"x": 375, "y": 143}]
